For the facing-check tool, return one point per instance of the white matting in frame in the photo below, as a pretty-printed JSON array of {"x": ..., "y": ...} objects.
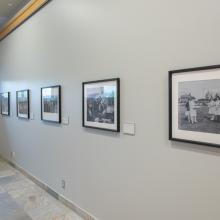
[
  {"x": 51, "y": 104},
  {"x": 101, "y": 104},
  {"x": 195, "y": 105}
]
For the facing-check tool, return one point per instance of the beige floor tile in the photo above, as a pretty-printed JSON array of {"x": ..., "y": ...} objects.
[{"x": 33, "y": 200}]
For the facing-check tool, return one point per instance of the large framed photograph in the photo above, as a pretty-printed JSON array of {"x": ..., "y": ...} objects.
[
  {"x": 101, "y": 104},
  {"x": 5, "y": 103},
  {"x": 23, "y": 105},
  {"x": 51, "y": 104},
  {"x": 194, "y": 96}
]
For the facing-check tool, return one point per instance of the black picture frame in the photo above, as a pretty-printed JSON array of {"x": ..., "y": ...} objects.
[
  {"x": 8, "y": 103},
  {"x": 59, "y": 105},
  {"x": 117, "y": 121},
  {"x": 205, "y": 70},
  {"x": 28, "y": 103}
]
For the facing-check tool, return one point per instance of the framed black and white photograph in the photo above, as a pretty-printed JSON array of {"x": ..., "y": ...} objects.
[
  {"x": 5, "y": 103},
  {"x": 22, "y": 98},
  {"x": 51, "y": 104},
  {"x": 194, "y": 96},
  {"x": 101, "y": 104}
]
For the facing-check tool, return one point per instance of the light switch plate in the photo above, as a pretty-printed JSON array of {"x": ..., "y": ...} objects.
[
  {"x": 32, "y": 116},
  {"x": 129, "y": 128},
  {"x": 65, "y": 120}
]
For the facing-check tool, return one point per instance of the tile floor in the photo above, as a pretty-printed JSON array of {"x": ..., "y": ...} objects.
[{"x": 21, "y": 199}]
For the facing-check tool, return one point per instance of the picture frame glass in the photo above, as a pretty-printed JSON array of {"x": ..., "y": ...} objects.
[
  {"x": 50, "y": 104},
  {"x": 5, "y": 105},
  {"x": 196, "y": 106},
  {"x": 101, "y": 104},
  {"x": 23, "y": 104}
]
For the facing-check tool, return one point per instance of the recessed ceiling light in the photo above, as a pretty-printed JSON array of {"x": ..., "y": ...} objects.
[{"x": 10, "y": 4}]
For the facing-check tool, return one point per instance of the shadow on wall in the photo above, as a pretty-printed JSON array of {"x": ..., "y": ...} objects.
[
  {"x": 52, "y": 124},
  {"x": 196, "y": 148},
  {"x": 102, "y": 132}
]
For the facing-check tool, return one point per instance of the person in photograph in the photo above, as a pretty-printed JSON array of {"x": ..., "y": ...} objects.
[
  {"x": 187, "y": 112},
  {"x": 102, "y": 111},
  {"x": 102, "y": 106},
  {"x": 99, "y": 109},
  {"x": 217, "y": 108},
  {"x": 211, "y": 106},
  {"x": 90, "y": 112},
  {"x": 192, "y": 110}
]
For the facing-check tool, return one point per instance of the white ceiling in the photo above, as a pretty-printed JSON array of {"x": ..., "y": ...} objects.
[{"x": 8, "y": 8}]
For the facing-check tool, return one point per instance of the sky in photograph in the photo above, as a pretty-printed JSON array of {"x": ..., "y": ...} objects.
[
  {"x": 106, "y": 91},
  {"x": 199, "y": 88}
]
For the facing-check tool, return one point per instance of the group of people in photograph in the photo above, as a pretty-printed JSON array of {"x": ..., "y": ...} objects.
[
  {"x": 213, "y": 109},
  {"x": 100, "y": 109}
]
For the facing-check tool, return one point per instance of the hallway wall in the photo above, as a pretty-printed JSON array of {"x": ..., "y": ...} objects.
[{"x": 114, "y": 176}]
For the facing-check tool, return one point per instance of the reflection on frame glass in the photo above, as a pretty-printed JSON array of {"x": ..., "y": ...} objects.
[
  {"x": 5, "y": 103},
  {"x": 51, "y": 104},
  {"x": 23, "y": 104},
  {"x": 195, "y": 105},
  {"x": 101, "y": 104}
]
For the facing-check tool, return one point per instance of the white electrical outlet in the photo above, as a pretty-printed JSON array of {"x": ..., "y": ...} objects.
[{"x": 63, "y": 184}]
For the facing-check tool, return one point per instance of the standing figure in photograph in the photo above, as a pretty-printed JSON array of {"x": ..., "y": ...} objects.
[
  {"x": 90, "y": 111},
  {"x": 192, "y": 110},
  {"x": 187, "y": 113},
  {"x": 99, "y": 107},
  {"x": 217, "y": 107},
  {"x": 212, "y": 108}
]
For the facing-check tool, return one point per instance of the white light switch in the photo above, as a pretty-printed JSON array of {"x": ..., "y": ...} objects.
[
  {"x": 65, "y": 120},
  {"x": 129, "y": 128},
  {"x": 32, "y": 116}
]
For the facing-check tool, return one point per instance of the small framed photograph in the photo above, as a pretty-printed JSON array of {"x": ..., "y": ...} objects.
[
  {"x": 5, "y": 103},
  {"x": 101, "y": 104},
  {"x": 194, "y": 105},
  {"x": 23, "y": 104},
  {"x": 51, "y": 104}
]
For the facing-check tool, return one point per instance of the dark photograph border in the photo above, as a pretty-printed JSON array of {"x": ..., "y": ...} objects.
[
  {"x": 171, "y": 73},
  {"x": 59, "y": 96},
  {"x": 28, "y": 100},
  {"x": 117, "y": 80},
  {"x": 8, "y": 104}
]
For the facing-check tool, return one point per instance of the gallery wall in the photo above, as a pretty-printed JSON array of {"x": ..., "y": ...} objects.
[{"x": 110, "y": 175}]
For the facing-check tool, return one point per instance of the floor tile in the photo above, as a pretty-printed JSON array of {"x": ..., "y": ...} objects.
[{"x": 22, "y": 199}]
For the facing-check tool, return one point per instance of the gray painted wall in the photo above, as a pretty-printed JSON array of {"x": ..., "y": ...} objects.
[{"x": 114, "y": 176}]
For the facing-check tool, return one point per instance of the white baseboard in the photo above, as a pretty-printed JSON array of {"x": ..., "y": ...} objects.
[{"x": 81, "y": 212}]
